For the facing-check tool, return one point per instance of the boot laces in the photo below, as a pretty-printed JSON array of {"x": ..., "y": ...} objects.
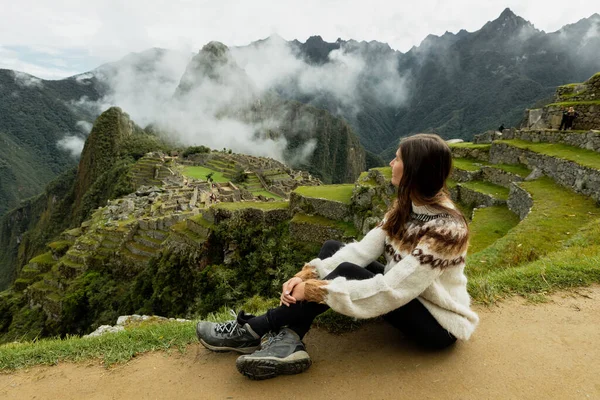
[
  {"x": 230, "y": 327},
  {"x": 270, "y": 339}
]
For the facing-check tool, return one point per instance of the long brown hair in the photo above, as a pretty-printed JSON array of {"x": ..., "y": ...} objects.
[{"x": 427, "y": 163}]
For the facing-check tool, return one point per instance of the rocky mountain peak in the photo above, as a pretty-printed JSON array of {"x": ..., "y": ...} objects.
[
  {"x": 507, "y": 23},
  {"x": 214, "y": 63}
]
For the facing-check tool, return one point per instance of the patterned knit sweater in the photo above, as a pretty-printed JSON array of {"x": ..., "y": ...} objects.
[{"x": 427, "y": 264}]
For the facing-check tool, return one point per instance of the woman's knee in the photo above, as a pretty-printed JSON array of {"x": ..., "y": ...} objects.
[
  {"x": 350, "y": 271},
  {"x": 329, "y": 248}
]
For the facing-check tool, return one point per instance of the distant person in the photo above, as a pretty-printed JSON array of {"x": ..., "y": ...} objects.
[
  {"x": 501, "y": 128},
  {"x": 571, "y": 115},
  {"x": 422, "y": 289},
  {"x": 563, "y": 120}
]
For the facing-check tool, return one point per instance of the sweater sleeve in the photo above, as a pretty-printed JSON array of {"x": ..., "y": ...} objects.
[
  {"x": 360, "y": 253},
  {"x": 406, "y": 280}
]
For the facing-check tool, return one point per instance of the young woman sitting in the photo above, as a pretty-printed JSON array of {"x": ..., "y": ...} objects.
[{"x": 422, "y": 289}]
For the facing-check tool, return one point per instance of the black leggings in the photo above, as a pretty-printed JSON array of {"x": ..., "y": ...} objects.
[{"x": 413, "y": 319}]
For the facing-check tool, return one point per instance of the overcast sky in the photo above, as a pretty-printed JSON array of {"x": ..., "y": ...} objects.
[{"x": 55, "y": 39}]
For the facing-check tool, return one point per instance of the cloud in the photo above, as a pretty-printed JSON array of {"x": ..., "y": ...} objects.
[
  {"x": 274, "y": 64},
  {"x": 84, "y": 126},
  {"x": 26, "y": 80},
  {"x": 72, "y": 144},
  {"x": 215, "y": 111}
]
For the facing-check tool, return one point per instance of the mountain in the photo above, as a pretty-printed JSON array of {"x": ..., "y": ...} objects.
[
  {"x": 112, "y": 146},
  {"x": 456, "y": 84},
  {"x": 468, "y": 82},
  {"x": 34, "y": 115}
]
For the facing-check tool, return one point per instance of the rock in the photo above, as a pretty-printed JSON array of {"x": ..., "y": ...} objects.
[
  {"x": 454, "y": 141},
  {"x": 103, "y": 329},
  {"x": 535, "y": 174}
]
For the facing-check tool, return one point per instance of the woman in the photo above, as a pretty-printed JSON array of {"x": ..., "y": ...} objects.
[
  {"x": 422, "y": 289},
  {"x": 571, "y": 115}
]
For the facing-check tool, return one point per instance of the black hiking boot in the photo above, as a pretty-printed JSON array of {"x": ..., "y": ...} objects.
[
  {"x": 281, "y": 354},
  {"x": 236, "y": 335}
]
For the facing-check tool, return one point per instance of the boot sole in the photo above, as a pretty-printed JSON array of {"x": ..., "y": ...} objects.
[
  {"x": 260, "y": 368},
  {"x": 223, "y": 349}
]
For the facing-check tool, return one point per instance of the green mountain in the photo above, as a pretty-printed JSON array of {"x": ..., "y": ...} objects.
[
  {"x": 113, "y": 145},
  {"x": 34, "y": 115},
  {"x": 464, "y": 83}
]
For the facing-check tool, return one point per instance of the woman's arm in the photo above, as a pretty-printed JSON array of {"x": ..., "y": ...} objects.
[
  {"x": 435, "y": 251},
  {"x": 360, "y": 253}
]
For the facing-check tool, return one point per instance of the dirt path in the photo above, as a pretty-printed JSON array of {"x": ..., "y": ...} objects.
[{"x": 520, "y": 351}]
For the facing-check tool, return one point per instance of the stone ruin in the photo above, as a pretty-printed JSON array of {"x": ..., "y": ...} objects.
[{"x": 584, "y": 97}]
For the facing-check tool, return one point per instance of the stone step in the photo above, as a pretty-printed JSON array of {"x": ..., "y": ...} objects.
[
  {"x": 141, "y": 250},
  {"x": 109, "y": 244},
  {"x": 569, "y": 166},
  {"x": 589, "y": 140},
  {"x": 480, "y": 194},
  {"x": 155, "y": 234},
  {"x": 148, "y": 241},
  {"x": 76, "y": 257},
  {"x": 70, "y": 269},
  {"x": 474, "y": 151},
  {"x": 21, "y": 284},
  {"x": 187, "y": 236},
  {"x": 106, "y": 251},
  {"x": 30, "y": 271},
  {"x": 138, "y": 259}
]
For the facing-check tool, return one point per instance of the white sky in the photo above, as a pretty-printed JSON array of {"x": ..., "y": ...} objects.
[{"x": 54, "y": 39}]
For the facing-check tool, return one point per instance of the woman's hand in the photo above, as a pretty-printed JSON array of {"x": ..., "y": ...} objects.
[
  {"x": 298, "y": 292},
  {"x": 287, "y": 289}
]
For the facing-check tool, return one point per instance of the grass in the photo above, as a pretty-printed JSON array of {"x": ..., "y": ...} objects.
[
  {"x": 341, "y": 193},
  {"x": 587, "y": 158},
  {"x": 44, "y": 259},
  {"x": 110, "y": 348},
  {"x": 198, "y": 172},
  {"x": 385, "y": 171},
  {"x": 267, "y": 194},
  {"x": 467, "y": 164},
  {"x": 575, "y": 103},
  {"x": 496, "y": 191},
  {"x": 557, "y": 215},
  {"x": 261, "y": 205},
  {"x": 469, "y": 145},
  {"x": 60, "y": 246},
  {"x": 490, "y": 224},
  {"x": 572, "y": 267}
]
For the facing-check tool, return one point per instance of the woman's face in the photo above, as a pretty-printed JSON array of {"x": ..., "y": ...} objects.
[{"x": 397, "y": 168}]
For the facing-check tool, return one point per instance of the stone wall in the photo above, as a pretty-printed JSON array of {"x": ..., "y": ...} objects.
[
  {"x": 588, "y": 118},
  {"x": 460, "y": 175},
  {"x": 498, "y": 176},
  {"x": 487, "y": 137},
  {"x": 519, "y": 201},
  {"x": 481, "y": 154},
  {"x": 307, "y": 232},
  {"x": 587, "y": 91},
  {"x": 589, "y": 140},
  {"x": 468, "y": 196},
  {"x": 326, "y": 208},
  {"x": 578, "y": 178}
]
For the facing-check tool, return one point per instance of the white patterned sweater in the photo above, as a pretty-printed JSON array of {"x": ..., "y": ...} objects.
[{"x": 427, "y": 264}]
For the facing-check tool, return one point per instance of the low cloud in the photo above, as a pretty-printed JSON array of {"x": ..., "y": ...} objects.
[
  {"x": 215, "y": 111},
  {"x": 27, "y": 80},
  {"x": 84, "y": 126},
  {"x": 72, "y": 144}
]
